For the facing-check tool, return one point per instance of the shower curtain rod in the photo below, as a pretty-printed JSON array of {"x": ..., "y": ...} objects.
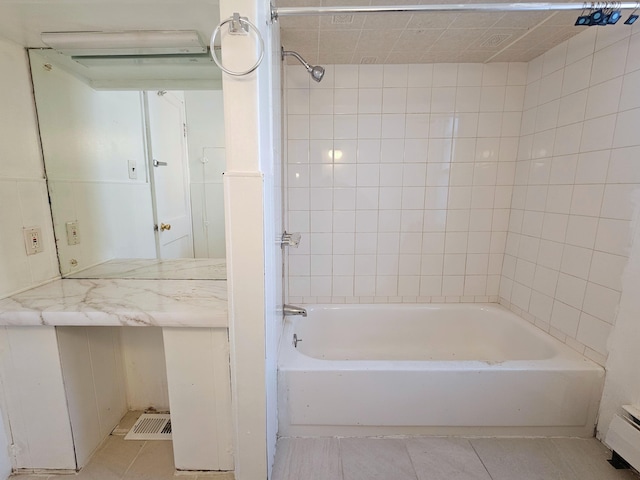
[{"x": 453, "y": 7}]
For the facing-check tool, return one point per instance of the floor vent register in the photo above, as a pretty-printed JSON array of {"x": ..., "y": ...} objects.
[{"x": 151, "y": 426}]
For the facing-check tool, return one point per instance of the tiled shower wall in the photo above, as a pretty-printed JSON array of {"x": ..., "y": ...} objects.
[
  {"x": 576, "y": 187},
  {"x": 400, "y": 180}
]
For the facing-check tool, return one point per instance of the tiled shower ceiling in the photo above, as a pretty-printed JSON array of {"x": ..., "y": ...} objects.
[{"x": 423, "y": 37}]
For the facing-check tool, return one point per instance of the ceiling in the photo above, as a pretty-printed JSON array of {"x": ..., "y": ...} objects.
[
  {"x": 22, "y": 21},
  {"x": 422, "y": 37},
  {"x": 371, "y": 38}
]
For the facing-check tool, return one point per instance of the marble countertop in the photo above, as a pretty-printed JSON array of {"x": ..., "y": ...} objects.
[
  {"x": 119, "y": 302},
  {"x": 153, "y": 269}
]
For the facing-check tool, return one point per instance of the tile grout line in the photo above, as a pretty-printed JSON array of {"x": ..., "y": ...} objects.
[
  {"x": 415, "y": 472},
  {"x": 124, "y": 474},
  {"x": 480, "y": 458},
  {"x": 340, "y": 458}
]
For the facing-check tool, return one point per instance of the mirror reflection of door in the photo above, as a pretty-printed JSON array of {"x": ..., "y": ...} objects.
[
  {"x": 169, "y": 169},
  {"x": 99, "y": 143}
]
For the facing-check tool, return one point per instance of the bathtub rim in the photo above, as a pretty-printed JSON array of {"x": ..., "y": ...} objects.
[{"x": 564, "y": 358}]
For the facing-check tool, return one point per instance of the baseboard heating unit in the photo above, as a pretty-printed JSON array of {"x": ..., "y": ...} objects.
[{"x": 623, "y": 438}]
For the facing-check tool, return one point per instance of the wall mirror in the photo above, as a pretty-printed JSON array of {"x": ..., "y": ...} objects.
[{"x": 134, "y": 155}]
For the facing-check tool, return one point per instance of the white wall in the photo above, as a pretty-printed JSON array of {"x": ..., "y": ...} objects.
[
  {"x": 622, "y": 383},
  {"x": 200, "y": 392},
  {"x": 23, "y": 191},
  {"x": 94, "y": 384},
  {"x": 576, "y": 186},
  {"x": 248, "y": 130},
  {"x": 144, "y": 368},
  {"x": 413, "y": 203},
  {"x": 23, "y": 197},
  {"x": 205, "y": 138},
  {"x": 34, "y": 400},
  {"x": 88, "y": 138}
]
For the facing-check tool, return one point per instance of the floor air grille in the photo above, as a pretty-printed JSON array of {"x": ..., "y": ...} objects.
[{"x": 151, "y": 426}]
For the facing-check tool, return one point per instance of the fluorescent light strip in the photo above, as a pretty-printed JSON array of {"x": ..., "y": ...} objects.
[{"x": 150, "y": 42}]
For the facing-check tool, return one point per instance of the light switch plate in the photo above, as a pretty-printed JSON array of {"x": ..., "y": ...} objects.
[
  {"x": 33, "y": 240},
  {"x": 133, "y": 170},
  {"x": 73, "y": 233}
]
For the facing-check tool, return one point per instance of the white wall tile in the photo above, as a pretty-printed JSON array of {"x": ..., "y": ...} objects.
[
  {"x": 370, "y": 100},
  {"x": 587, "y": 200},
  {"x": 620, "y": 201},
  {"x": 633, "y": 60},
  {"x": 592, "y": 167},
  {"x": 626, "y": 132},
  {"x": 610, "y": 90},
  {"x": 581, "y": 46},
  {"x": 607, "y": 269},
  {"x": 581, "y": 231},
  {"x": 369, "y": 126},
  {"x": 593, "y": 333},
  {"x": 445, "y": 74},
  {"x": 613, "y": 236},
  {"x": 443, "y": 99},
  {"x": 598, "y": 133},
  {"x": 321, "y": 126},
  {"x": 298, "y": 127},
  {"x": 576, "y": 261},
  {"x": 298, "y": 101},
  {"x": 572, "y": 108},
  {"x": 395, "y": 75},
  {"x": 418, "y": 100},
  {"x": 567, "y": 140},
  {"x": 609, "y": 62},
  {"x": 517, "y": 73},
  {"x": 554, "y": 59},
  {"x": 601, "y": 302},
  {"x": 551, "y": 87},
  {"x": 495, "y": 74},
  {"x": 420, "y": 75},
  {"x": 345, "y": 76},
  {"x": 370, "y": 76},
  {"x": 435, "y": 142},
  {"x": 576, "y": 76},
  {"x": 565, "y": 318},
  {"x": 345, "y": 101},
  {"x": 623, "y": 165}
]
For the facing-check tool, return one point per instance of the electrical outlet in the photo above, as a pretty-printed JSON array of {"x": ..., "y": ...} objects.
[
  {"x": 33, "y": 240},
  {"x": 133, "y": 170},
  {"x": 73, "y": 233}
]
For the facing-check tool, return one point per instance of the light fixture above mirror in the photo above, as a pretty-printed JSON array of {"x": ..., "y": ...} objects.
[
  {"x": 177, "y": 59},
  {"x": 126, "y": 43}
]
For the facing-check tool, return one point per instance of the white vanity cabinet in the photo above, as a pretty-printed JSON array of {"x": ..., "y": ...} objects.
[{"x": 66, "y": 387}]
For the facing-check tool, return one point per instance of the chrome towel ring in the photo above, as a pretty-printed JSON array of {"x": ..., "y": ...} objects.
[{"x": 238, "y": 26}]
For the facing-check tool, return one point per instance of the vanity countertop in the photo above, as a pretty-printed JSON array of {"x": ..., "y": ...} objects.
[
  {"x": 156, "y": 269},
  {"x": 121, "y": 302}
]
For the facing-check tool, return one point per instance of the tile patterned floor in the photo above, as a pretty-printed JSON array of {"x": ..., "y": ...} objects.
[
  {"x": 120, "y": 459},
  {"x": 440, "y": 458}
]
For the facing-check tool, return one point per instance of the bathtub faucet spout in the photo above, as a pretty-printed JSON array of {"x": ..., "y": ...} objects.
[{"x": 293, "y": 310}]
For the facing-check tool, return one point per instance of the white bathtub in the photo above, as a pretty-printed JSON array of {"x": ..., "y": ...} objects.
[{"x": 430, "y": 369}]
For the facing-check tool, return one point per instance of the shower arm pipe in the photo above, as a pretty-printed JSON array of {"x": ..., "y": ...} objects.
[
  {"x": 449, "y": 7},
  {"x": 300, "y": 59}
]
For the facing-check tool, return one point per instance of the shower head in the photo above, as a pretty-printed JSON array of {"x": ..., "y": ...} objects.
[{"x": 316, "y": 72}]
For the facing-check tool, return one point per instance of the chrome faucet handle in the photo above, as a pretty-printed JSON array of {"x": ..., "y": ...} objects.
[{"x": 290, "y": 239}]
